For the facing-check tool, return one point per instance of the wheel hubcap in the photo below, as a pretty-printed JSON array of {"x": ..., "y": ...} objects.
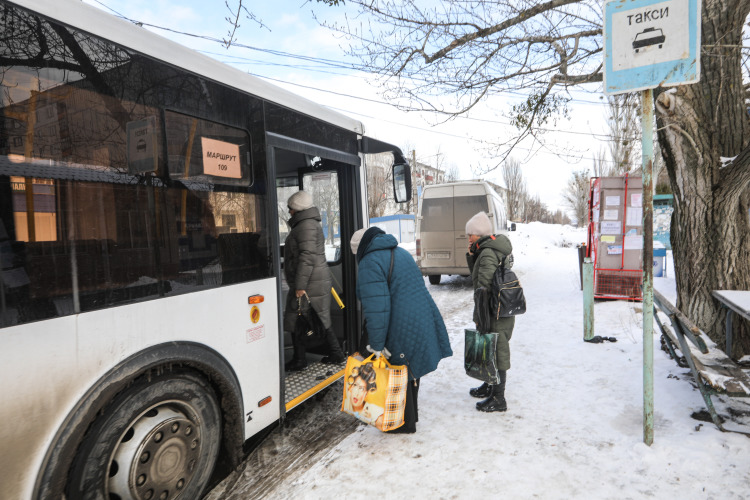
[{"x": 157, "y": 457}]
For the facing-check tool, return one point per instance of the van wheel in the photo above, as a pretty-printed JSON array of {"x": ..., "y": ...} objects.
[
  {"x": 159, "y": 438},
  {"x": 435, "y": 279}
]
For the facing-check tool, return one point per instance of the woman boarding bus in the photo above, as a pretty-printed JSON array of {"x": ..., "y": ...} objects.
[{"x": 140, "y": 261}]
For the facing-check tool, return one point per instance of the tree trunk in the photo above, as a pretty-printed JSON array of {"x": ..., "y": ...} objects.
[{"x": 699, "y": 125}]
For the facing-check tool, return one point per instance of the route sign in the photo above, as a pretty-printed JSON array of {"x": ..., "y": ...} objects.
[{"x": 650, "y": 43}]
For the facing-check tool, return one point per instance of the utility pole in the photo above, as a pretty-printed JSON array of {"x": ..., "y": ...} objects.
[{"x": 414, "y": 188}]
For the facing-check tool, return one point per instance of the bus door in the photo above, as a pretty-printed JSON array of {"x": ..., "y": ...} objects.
[{"x": 333, "y": 186}]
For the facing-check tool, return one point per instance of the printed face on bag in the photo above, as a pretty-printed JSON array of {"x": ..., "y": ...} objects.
[
  {"x": 358, "y": 391},
  {"x": 362, "y": 381}
]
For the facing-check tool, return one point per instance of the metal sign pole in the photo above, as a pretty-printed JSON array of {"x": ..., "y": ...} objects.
[
  {"x": 649, "y": 44},
  {"x": 647, "y": 145},
  {"x": 588, "y": 299}
]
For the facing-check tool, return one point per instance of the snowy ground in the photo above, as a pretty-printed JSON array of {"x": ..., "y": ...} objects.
[{"x": 574, "y": 425}]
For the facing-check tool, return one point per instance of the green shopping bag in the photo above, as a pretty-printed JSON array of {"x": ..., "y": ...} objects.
[{"x": 479, "y": 356}]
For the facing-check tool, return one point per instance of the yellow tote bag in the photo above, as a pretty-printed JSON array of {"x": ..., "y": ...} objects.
[{"x": 375, "y": 391}]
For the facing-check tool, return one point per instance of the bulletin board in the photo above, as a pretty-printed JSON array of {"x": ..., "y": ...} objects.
[{"x": 616, "y": 236}]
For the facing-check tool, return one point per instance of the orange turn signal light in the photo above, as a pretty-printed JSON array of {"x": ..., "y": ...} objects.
[
  {"x": 255, "y": 299},
  {"x": 264, "y": 401}
]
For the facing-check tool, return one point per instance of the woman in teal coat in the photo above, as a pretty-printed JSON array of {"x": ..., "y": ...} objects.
[{"x": 401, "y": 318}]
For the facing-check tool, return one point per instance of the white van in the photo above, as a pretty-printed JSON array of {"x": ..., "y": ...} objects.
[{"x": 444, "y": 209}]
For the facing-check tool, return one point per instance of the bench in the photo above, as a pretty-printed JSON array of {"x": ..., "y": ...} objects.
[
  {"x": 714, "y": 371},
  {"x": 737, "y": 303}
]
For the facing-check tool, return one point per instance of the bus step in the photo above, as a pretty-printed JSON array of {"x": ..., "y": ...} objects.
[{"x": 306, "y": 383}]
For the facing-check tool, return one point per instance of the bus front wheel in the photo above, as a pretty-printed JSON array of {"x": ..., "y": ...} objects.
[
  {"x": 159, "y": 438},
  {"x": 435, "y": 279}
]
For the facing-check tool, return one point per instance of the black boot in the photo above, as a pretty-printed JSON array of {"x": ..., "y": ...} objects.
[
  {"x": 483, "y": 391},
  {"x": 496, "y": 400},
  {"x": 336, "y": 355},
  {"x": 299, "y": 360}
]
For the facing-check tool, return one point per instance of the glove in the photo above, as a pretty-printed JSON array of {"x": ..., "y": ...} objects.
[{"x": 384, "y": 352}]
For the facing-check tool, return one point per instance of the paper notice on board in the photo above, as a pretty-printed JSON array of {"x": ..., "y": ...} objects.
[
  {"x": 596, "y": 215},
  {"x": 634, "y": 217},
  {"x": 614, "y": 249},
  {"x": 608, "y": 239},
  {"x": 634, "y": 242},
  {"x": 610, "y": 215},
  {"x": 612, "y": 201},
  {"x": 611, "y": 227},
  {"x": 636, "y": 200}
]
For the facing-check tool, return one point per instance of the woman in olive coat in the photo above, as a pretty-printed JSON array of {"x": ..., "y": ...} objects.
[{"x": 486, "y": 253}]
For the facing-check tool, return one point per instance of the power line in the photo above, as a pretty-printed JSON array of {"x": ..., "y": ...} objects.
[
  {"x": 484, "y": 120},
  {"x": 325, "y": 62},
  {"x": 448, "y": 134}
]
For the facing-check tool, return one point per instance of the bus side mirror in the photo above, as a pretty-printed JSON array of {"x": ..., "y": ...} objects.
[{"x": 401, "y": 182}]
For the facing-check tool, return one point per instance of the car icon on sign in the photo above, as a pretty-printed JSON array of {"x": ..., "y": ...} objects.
[{"x": 649, "y": 37}]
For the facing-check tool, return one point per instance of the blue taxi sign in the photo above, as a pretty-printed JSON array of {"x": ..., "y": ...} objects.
[{"x": 650, "y": 43}]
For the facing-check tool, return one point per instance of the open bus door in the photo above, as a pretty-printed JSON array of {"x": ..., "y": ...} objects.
[
  {"x": 334, "y": 179},
  {"x": 331, "y": 178}
]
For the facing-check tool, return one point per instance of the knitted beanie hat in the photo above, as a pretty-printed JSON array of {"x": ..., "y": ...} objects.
[
  {"x": 356, "y": 238},
  {"x": 301, "y": 200},
  {"x": 479, "y": 224}
]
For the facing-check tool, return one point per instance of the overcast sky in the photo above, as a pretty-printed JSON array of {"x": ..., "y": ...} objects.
[{"x": 290, "y": 28}]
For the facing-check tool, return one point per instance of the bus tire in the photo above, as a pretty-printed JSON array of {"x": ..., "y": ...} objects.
[
  {"x": 161, "y": 434},
  {"x": 434, "y": 279}
]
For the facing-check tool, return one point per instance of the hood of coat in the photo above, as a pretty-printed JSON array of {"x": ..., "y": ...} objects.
[
  {"x": 499, "y": 242},
  {"x": 309, "y": 213},
  {"x": 375, "y": 239}
]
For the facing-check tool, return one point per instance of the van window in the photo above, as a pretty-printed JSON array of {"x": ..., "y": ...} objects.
[
  {"x": 465, "y": 207},
  {"x": 436, "y": 214}
]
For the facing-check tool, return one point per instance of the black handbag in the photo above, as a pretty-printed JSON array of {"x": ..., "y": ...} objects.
[{"x": 308, "y": 329}]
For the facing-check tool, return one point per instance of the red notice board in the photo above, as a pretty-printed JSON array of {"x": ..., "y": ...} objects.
[{"x": 615, "y": 236}]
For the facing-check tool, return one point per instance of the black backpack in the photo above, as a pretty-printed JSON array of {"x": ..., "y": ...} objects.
[{"x": 507, "y": 297}]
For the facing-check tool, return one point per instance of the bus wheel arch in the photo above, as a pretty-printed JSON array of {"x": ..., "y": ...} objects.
[
  {"x": 168, "y": 360},
  {"x": 154, "y": 445}
]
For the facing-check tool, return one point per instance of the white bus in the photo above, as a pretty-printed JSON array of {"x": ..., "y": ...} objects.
[{"x": 141, "y": 283}]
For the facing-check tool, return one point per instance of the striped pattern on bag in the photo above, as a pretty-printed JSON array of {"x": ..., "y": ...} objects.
[{"x": 395, "y": 400}]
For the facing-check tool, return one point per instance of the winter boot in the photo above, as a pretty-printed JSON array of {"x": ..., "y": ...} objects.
[
  {"x": 336, "y": 355},
  {"x": 298, "y": 361},
  {"x": 496, "y": 400},
  {"x": 483, "y": 391}
]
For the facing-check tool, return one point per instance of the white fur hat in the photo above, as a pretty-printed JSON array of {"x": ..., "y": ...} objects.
[
  {"x": 356, "y": 238},
  {"x": 479, "y": 224},
  {"x": 301, "y": 200}
]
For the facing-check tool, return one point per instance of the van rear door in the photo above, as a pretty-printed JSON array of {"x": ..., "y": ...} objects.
[
  {"x": 468, "y": 200},
  {"x": 436, "y": 227}
]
